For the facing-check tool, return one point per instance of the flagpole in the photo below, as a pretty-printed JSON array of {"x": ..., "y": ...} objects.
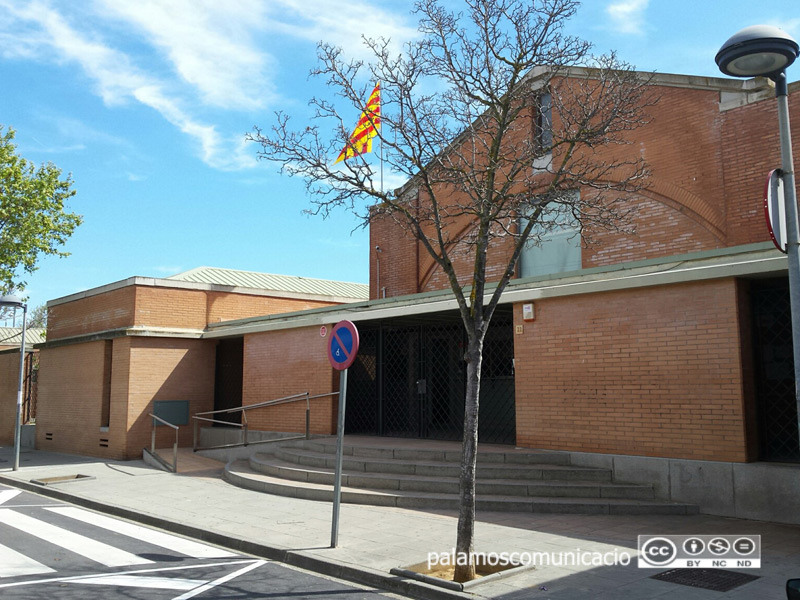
[{"x": 381, "y": 136}]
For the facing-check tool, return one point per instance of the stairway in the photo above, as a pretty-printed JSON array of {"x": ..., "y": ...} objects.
[{"x": 415, "y": 477}]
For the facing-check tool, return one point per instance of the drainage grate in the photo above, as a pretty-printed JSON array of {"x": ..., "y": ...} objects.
[{"x": 717, "y": 580}]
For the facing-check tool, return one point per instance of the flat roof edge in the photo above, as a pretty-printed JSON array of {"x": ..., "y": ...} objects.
[
  {"x": 134, "y": 331},
  {"x": 751, "y": 260},
  {"x": 191, "y": 285}
]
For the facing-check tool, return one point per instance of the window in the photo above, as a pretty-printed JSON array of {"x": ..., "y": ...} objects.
[
  {"x": 105, "y": 401},
  {"x": 554, "y": 245},
  {"x": 543, "y": 135}
]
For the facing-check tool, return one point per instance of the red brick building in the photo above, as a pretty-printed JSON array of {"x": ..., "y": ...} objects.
[
  {"x": 114, "y": 352},
  {"x": 666, "y": 354},
  {"x": 661, "y": 343}
]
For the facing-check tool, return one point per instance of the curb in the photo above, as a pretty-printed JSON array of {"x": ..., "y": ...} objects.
[{"x": 316, "y": 564}]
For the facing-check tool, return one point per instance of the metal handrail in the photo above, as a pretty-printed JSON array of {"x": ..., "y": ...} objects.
[
  {"x": 244, "y": 427},
  {"x": 174, "y": 465}
]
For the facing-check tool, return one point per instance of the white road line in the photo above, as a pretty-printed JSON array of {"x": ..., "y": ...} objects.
[
  {"x": 137, "y": 572},
  {"x": 87, "y": 547},
  {"x": 159, "y": 583},
  {"x": 13, "y": 564},
  {"x": 151, "y": 536},
  {"x": 6, "y": 495},
  {"x": 220, "y": 581}
]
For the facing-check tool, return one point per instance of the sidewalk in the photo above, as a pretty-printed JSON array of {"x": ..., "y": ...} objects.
[{"x": 372, "y": 540}]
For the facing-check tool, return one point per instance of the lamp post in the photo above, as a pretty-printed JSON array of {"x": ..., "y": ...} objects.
[
  {"x": 763, "y": 50},
  {"x": 14, "y": 302}
]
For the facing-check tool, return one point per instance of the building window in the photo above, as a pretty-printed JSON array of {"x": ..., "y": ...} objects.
[
  {"x": 554, "y": 245},
  {"x": 105, "y": 401},
  {"x": 543, "y": 134}
]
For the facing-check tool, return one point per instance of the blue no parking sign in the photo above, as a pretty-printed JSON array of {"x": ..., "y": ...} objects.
[
  {"x": 342, "y": 351},
  {"x": 343, "y": 346}
]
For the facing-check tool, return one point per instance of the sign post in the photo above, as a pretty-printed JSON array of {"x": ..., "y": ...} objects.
[{"x": 342, "y": 351}]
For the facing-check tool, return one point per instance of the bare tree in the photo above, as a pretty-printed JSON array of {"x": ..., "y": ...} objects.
[
  {"x": 38, "y": 316},
  {"x": 504, "y": 127}
]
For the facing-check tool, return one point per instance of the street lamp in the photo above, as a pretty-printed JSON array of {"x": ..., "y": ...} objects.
[
  {"x": 15, "y": 303},
  {"x": 763, "y": 50}
]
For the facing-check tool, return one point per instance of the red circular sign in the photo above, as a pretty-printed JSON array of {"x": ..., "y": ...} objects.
[
  {"x": 323, "y": 331},
  {"x": 775, "y": 209},
  {"x": 343, "y": 347}
]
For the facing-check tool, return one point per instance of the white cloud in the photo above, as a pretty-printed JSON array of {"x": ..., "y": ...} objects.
[
  {"x": 627, "y": 16},
  {"x": 187, "y": 58},
  {"x": 118, "y": 80},
  {"x": 315, "y": 21},
  {"x": 209, "y": 43}
]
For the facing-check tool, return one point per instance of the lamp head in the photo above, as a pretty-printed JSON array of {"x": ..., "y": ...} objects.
[
  {"x": 15, "y": 301},
  {"x": 757, "y": 50}
]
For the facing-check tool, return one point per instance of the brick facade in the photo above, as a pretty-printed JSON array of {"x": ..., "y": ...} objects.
[
  {"x": 100, "y": 381},
  {"x": 708, "y": 170},
  {"x": 650, "y": 372},
  {"x": 662, "y": 371},
  {"x": 165, "y": 369},
  {"x": 165, "y": 307},
  {"x": 9, "y": 384},
  {"x": 100, "y": 312},
  {"x": 71, "y": 394},
  {"x": 659, "y": 371},
  {"x": 287, "y": 362}
]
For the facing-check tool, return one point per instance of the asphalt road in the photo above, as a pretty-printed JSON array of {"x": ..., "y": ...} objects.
[{"x": 55, "y": 551}]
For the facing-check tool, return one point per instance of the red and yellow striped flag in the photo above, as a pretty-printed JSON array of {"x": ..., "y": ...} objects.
[{"x": 360, "y": 141}]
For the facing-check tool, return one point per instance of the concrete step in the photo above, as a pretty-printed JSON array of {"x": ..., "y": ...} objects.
[
  {"x": 275, "y": 467},
  {"x": 445, "y": 453},
  {"x": 440, "y": 468},
  {"x": 242, "y": 474}
]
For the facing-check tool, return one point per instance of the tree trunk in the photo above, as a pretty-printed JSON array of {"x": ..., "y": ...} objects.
[{"x": 465, "y": 568}]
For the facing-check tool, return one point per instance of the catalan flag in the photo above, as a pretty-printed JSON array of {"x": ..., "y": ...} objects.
[{"x": 360, "y": 141}]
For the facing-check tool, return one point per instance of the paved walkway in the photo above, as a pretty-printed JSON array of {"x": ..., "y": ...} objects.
[{"x": 373, "y": 540}]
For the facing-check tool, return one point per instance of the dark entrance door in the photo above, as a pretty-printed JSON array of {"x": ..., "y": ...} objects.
[
  {"x": 409, "y": 380},
  {"x": 774, "y": 370},
  {"x": 228, "y": 378}
]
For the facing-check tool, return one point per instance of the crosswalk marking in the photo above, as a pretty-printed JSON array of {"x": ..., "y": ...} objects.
[
  {"x": 212, "y": 584},
  {"x": 151, "y": 536},
  {"x": 14, "y": 564},
  {"x": 6, "y": 495},
  {"x": 89, "y": 548},
  {"x": 80, "y": 578},
  {"x": 160, "y": 583}
]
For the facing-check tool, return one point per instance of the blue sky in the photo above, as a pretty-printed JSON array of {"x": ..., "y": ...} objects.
[{"x": 147, "y": 103}]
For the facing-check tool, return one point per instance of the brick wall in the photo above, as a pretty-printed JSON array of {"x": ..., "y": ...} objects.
[
  {"x": 708, "y": 170},
  {"x": 148, "y": 306},
  {"x": 648, "y": 372},
  {"x": 750, "y": 142},
  {"x": 669, "y": 231},
  {"x": 395, "y": 267},
  {"x": 74, "y": 385},
  {"x": 165, "y": 369},
  {"x": 287, "y": 362},
  {"x": 9, "y": 384},
  {"x": 226, "y": 306},
  {"x": 101, "y": 312},
  {"x": 70, "y": 400},
  {"x": 170, "y": 307}
]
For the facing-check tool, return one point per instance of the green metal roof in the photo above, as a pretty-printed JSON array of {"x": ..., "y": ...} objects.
[
  {"x": 11, "y": 336},
  {"x": 277, "y": 283}
]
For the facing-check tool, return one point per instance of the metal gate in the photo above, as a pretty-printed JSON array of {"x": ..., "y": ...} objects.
[
  {"x": 409, "y": 380},
  {"x": 774, "y": 369},
  {"x": 31, "y": 386}
]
